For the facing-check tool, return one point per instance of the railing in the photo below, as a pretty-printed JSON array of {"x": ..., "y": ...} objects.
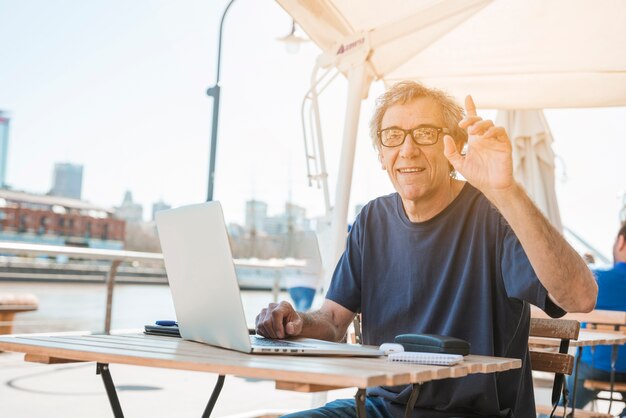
[
  {"x": 118, "y": 256},
  {"x": 115, "y": 256}
]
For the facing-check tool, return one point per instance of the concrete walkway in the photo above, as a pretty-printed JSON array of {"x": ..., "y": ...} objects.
[{"x": 74, "y": 390}]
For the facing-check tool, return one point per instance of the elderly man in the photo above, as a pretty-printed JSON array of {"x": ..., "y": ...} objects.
[{"x": 444, "y": 256}]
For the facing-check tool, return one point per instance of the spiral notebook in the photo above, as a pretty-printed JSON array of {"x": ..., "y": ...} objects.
[{"x": 437, "y": 359}]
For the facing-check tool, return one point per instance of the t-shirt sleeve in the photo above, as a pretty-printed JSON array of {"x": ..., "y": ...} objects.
[
  {"x": 345, "y": 286},
  {"x": 520, "y": 280}
]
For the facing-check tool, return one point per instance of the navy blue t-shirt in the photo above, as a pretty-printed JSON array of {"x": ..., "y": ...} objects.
[
  {"x": 462, "y": 273},
  {"x": 611, "y": 291}
]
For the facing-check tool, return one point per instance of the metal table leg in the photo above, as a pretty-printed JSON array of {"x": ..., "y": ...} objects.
[
  {"x": 613, "y": 362},
  {"x": 359, "y": 398},
  {"x": 408, "y": 412},
  {"x": 103, "y": 370},
  {"x": 216, "y": 393},
  {"x": 579, "y": 353}
]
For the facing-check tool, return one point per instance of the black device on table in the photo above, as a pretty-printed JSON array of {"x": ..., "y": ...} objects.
[
  {"x": 170, "y": 329},
  {"x": 432, "y": 343}
]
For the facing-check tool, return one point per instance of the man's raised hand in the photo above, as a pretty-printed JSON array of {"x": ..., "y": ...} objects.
[{"x": 487, "y": 164}]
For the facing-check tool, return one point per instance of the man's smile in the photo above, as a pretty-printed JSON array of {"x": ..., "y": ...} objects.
[{"x": 411, "y": 170}]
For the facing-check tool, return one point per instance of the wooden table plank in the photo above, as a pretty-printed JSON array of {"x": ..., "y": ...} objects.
[
  {"x": 586, "y": 338},
  {"x": 316, "y": 371}
]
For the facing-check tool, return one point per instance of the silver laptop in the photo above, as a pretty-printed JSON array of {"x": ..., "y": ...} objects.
[{"x": 205, "y": 291}]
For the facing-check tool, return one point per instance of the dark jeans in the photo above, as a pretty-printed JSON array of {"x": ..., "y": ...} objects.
[
  {"x": 344, "y": 408},
  {"x": 584, "y": 396}
]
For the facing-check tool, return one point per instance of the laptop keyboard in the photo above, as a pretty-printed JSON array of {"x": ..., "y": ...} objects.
[{"x": 268, "y": 342}]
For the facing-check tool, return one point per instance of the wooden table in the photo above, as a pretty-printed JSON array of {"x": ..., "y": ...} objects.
[{"x": 299, "y": 373}]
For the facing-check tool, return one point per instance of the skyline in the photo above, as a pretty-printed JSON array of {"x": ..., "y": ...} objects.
[{"x": 120, "y": 89}]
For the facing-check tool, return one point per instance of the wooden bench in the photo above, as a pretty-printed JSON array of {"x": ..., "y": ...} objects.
[{"x": 10, "y": 304}]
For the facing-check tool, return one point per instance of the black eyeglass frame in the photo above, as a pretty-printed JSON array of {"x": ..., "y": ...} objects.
[{"x": 411, "y": 131}]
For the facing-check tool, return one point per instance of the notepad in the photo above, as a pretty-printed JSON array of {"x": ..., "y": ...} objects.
[{"x": 436, "y": 359}]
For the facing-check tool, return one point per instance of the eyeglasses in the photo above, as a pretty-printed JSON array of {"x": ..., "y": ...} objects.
[{"x": 422, "y": 135}]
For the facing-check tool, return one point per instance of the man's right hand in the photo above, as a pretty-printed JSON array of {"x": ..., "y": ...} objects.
[{"x": 279, "y": 320}]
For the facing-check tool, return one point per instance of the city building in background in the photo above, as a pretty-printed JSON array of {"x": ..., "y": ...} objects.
[
  {"x": 159, "y": 206},
  {"x": 129, "y": 210},
  {"x": 292, "y": 219},
  {"x": 256, "y": 213},
  {"x": 53, "y": 220},
  {"x": 67, "y": 180},
  {"x": 4, "y": 147}
]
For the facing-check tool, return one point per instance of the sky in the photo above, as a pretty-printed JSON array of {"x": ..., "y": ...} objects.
[{"x": 120, "y": 87}]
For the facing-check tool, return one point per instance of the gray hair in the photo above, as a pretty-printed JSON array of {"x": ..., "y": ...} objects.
[{"x": 406, "y": 91}]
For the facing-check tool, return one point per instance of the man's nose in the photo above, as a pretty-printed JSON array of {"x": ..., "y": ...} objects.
[{"x": 409, "y": 146}]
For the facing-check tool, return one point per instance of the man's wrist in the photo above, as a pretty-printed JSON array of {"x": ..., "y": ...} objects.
[{"x": 501, "y": 198}]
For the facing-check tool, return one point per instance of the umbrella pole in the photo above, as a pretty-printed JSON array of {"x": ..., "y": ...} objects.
[{"x": 339, "y": 224}]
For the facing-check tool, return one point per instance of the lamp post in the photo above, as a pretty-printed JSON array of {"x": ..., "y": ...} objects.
[
  {"x": 292, "y": 42},
  {"x": 215, "y": 93}
]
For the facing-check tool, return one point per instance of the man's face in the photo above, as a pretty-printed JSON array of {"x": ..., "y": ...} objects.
[{"x": 416, "y": 171}]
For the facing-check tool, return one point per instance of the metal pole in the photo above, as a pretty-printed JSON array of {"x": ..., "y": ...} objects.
[
  {"x": 103, "y": 370},
  {"x": 109, "y": 306},
  {"x": 339, "y": 226},
  {"x": 215, "y": 93},
  {"x": 216, "y": 393}
]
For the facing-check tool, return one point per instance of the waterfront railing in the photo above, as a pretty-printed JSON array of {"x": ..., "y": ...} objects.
[{"x": 117, "y": 257}]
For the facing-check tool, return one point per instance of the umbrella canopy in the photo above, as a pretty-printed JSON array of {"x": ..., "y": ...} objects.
[
  {"x": 533, "y": 159},
  {"x": 512, "y": 54}
]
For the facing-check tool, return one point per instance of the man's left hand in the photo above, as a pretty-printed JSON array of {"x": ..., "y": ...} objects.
[{"x": 488, "y": 162}]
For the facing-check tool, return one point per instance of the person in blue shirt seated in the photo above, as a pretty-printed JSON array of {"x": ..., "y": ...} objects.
[
  {"x": 444, "y": 256},
  {"x": 595, "y": 363}
]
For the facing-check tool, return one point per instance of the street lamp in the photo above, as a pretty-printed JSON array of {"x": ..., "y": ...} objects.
[
  {"x": 215, "y": 93},
  {"x": 292, "y": 43}
]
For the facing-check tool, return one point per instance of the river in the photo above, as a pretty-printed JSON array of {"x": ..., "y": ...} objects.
[{"x": 81, "y": 306}]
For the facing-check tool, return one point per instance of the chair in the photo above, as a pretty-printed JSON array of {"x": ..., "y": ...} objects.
[
  {"x": 560, "y": 363},
  {"x": 611, "y": 321}
]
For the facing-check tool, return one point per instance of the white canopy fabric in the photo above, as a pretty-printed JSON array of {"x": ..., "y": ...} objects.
[
  {"x": 509, "y": 54},
  {"x": 533, "y": 158}
]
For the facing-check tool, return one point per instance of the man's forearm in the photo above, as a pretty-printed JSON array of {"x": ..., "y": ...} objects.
[
  {"x": 320, "y": 325},
  {"x": 557, "y": 265}
]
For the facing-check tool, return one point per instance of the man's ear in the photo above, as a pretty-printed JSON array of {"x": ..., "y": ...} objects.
[{"x": 381, "y": 160}]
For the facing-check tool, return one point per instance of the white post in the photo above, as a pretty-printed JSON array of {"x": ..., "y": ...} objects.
[{"x": 339, "y": 224}]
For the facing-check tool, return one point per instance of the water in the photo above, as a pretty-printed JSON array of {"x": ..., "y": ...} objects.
[{"x": 81, "y": 306}]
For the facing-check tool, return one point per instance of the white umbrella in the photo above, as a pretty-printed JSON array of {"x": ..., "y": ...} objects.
[{"x": 533, "y": 158}]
